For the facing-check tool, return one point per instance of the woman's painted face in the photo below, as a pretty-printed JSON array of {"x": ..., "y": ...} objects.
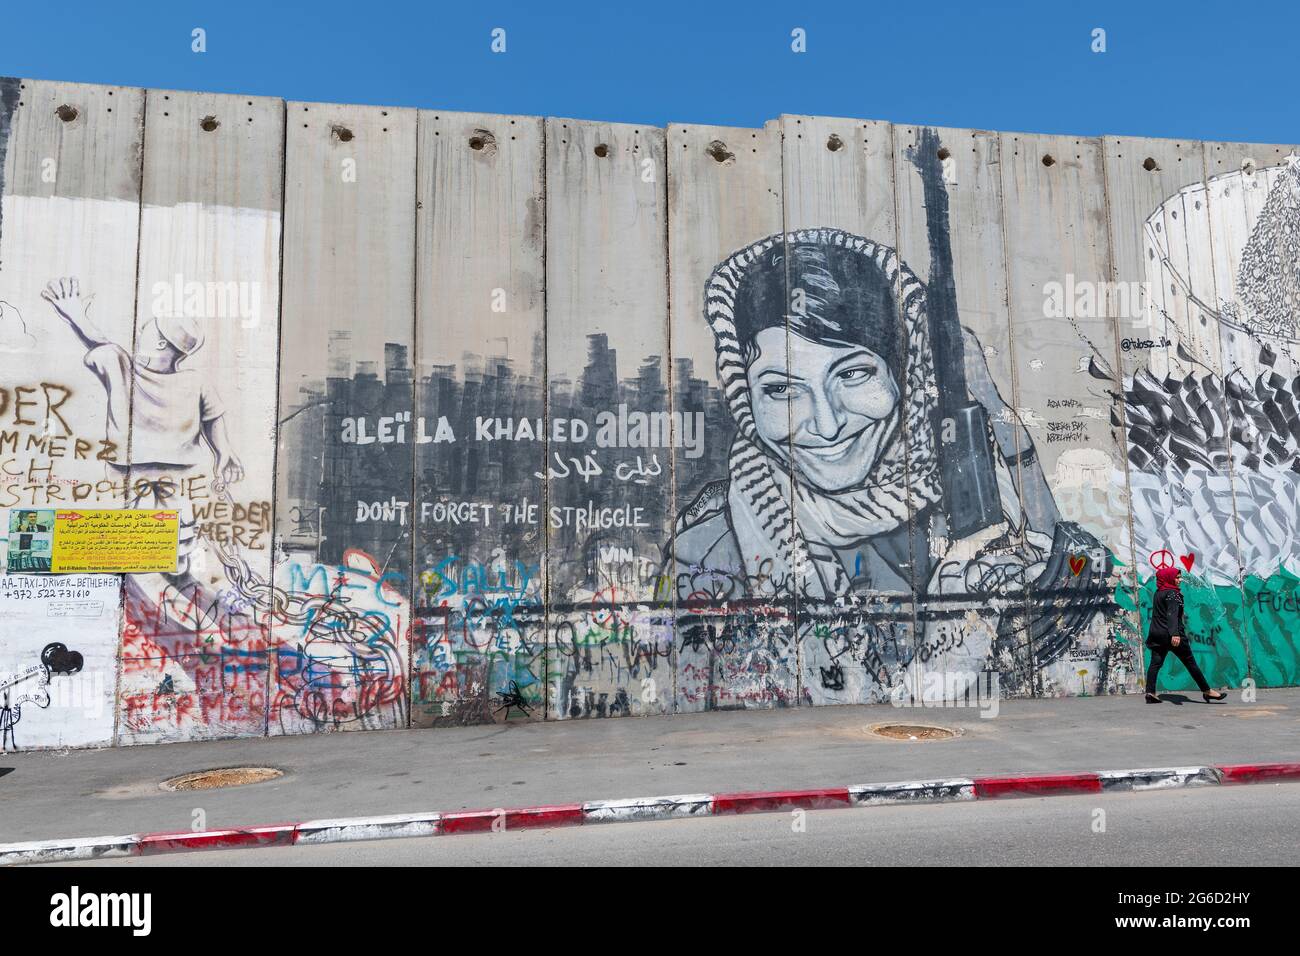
[{"x": 821, "y": 406}]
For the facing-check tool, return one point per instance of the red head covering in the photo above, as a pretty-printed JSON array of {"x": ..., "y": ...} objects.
[{"x": 1167, "y": 579}]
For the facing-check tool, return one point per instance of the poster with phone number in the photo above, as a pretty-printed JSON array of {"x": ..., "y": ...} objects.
[{"x": 92, "y": 541}]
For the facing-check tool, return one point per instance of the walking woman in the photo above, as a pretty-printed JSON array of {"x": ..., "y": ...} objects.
[{"x": 1167, "y": 633}]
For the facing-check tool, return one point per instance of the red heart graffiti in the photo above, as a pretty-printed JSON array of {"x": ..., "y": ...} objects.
[
  {"x": 1188, "y": 560},
  {"x": 1077, "y": 563}
]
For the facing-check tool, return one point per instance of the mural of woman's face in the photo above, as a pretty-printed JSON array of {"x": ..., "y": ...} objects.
[{"x": 821, "y": 406}]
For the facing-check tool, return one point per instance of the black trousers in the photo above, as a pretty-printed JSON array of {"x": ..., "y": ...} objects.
[{"x": 1184, "y": 653}]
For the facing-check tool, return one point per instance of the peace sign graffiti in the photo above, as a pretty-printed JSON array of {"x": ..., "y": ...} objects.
[{"x": 1165, "y": 559}]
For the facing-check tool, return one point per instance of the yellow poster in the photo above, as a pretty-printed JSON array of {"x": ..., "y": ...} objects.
[{"x": 114, "y": 542}]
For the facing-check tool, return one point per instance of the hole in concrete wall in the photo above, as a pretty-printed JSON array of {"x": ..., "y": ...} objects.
[
  {"x": 601, "y": 150},
  {"x": 1048, "y": 160},
  {"x": 482, "y": 141},
  {"x": 66, "y": 113},
  {"x": 208, "y": 124},
  {"x": 1150, "y": 165},
  {"x": 224, "y": 777},
  {"x": 343, "y": 133},
  {"x": 834, "y": 143},
  {"x": 718, "y": 150},
  {"x": 943, "y": 152}
]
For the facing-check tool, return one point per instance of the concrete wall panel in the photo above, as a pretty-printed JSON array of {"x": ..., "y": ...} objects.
[
  {"x": 203, "y": 396},
  {"x": 347, "y": 435},
  {"x": 478, "y": 652},
  {"x": 609, "y": 431},
  {"x": 855, "y": 639},
  {"x": 1058, "y": 265},
  {"x": 1160, "y": 237},
  {"x": 972, "y": 602},
  {"x": 69, "y": 213},
  {"x": 733, "y": 587}
]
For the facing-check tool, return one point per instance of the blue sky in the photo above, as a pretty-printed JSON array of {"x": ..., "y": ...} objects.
[{"x": 1224, "y": 71}]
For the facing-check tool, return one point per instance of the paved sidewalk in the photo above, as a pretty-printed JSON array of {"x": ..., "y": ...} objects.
[{"x": 85, "y": 793}]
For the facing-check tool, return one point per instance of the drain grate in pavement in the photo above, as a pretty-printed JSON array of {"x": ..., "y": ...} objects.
[
  {"x": 225, "y": 777},
  {"x": 911, "y": 732}
]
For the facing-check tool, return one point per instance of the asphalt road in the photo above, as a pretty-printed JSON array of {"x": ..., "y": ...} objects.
[{"x": 1227, "y": 826}]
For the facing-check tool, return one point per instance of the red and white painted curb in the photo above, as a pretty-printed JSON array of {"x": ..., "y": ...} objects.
[{"x": 681, "y": 806}]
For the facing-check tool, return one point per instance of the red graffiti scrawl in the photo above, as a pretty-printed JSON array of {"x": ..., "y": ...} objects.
[{"x": 1188, "y": 560}]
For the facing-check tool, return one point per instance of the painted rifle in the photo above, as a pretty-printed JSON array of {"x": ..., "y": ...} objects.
[{"x": 970, "y": 492}]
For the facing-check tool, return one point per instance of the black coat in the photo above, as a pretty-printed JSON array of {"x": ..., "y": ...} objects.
[{"x": 1166, "y": 617}]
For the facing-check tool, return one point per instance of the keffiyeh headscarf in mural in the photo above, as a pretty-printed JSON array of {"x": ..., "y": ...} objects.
[{"x": 853, "y": 292}]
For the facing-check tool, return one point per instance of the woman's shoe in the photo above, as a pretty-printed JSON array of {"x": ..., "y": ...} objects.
[
  {"x": 1213, "y": 695},
  {"x": 1152, "y": 699}
]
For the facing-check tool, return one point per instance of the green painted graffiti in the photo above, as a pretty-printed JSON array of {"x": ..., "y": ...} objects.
[{"x": 1236, "y": 633}]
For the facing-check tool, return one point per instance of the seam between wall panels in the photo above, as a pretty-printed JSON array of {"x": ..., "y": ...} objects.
[
  {"x": 1027, "y": 600},
  {"x": 1113, "y": 272},
  {"x": 130, "y": 414},
  {"x": 669, "y": 561},
  {"x": 271, "y": 650},
  {"x": 1026, "y": 605},
  {"x": 913, "y": 531},
  {"x": 1108, "y": 273},
  {"x": 545, "y": 562},
  {"x": 796, "y": 599},
  {"x": 420, "y": 253},
  {"x": 408, "y": 703},
  {"x": 789, "y": 411}
]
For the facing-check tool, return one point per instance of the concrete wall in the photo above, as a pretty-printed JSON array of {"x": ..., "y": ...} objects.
[{"x": 477, "y": 418}]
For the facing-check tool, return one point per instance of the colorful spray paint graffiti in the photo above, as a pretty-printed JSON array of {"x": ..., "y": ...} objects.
[
  {"x": 813, "y": 431},
  {"x": 1213, "y": 422},
  {"x": 479, "y": 653}
]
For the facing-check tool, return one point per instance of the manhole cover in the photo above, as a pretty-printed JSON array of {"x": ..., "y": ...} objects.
[
  {"x": 227, "y": 777},
  {"x": 911, "y": 732}
]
